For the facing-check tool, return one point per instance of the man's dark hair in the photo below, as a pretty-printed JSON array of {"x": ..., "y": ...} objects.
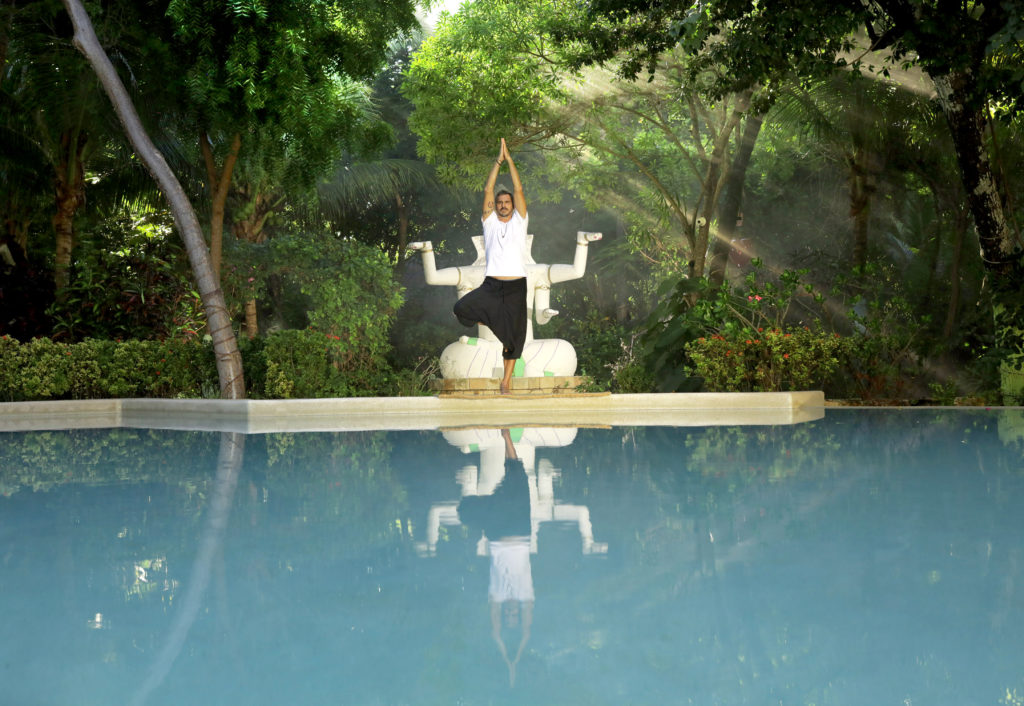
[{"x": 499, "y": 192}]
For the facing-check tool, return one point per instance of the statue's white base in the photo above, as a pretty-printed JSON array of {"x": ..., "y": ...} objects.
[{"x": 471, "y": 357}]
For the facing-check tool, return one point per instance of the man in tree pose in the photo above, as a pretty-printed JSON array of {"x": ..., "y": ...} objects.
[{"x": 500, "y": 302}]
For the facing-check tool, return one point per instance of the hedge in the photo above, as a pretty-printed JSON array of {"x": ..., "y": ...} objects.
[{"x": 284, "y": 364}]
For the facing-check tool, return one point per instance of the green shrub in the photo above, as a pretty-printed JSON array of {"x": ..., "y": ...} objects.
[
  {"x": 765, "y": 360},
  {"x": 633, "y": 378},
  {"x": 691, "y": 309},
  {"x": 309, "y": 363},
  {"x": 286, "y": 364}
]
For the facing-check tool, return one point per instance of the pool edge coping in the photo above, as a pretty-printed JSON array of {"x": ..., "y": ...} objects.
[{"x": 365, "y": 413}]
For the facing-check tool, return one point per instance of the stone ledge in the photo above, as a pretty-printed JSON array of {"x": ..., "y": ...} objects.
[{"x": 420, "y": 413}]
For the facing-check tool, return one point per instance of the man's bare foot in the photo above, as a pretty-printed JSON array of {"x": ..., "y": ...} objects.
[{"x": 504, "y": 388}]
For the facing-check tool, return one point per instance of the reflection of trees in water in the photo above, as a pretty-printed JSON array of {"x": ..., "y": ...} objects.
[
  {"x": 741, "y": 524},
  {"x": 42, "y": 460}
]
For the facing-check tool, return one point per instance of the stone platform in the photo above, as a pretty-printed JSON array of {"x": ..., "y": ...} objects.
[
  {"x": 486, "y": 387},
  {"x": 419, "y": 413}
]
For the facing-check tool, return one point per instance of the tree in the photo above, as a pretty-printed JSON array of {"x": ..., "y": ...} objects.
[
  {"x": 271, "y": 82},
  {"x": 225, "y": 346},
  {"x": 654, "y": 147},
  {"x": 55, "y": 115},
  {"x": 970, "y": 50}
]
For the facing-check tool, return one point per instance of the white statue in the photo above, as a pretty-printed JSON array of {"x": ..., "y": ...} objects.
[{"x": 480, "y": 357}]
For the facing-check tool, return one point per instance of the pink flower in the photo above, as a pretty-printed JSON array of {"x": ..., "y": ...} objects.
[{"x": 757, "y": 298}]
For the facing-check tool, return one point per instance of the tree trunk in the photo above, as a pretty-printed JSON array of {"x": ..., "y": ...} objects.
[
  {"x": 250, "y": 229},
  {"x": 966, "y": 126},
  {"x": 220, "y": 183},
  {"x": 225, "y": 346},
  {"x": 712, "y": 186},
  {"x": 252, "y": 324},
  {"x": 960, "y": 228},
  {"x": 732, "y": 199},
  {"x": 403, "y": 233},
  {"x": 69, "y": 196},
  {"x": 7, "y": 21},
  {"x": 863, "y": 169}
]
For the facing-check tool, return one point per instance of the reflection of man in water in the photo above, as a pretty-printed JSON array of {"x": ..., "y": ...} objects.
[{"x": 504, "y": 519}]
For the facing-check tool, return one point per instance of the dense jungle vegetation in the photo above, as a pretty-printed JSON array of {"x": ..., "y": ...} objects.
[{"x": 793, "y": 194}]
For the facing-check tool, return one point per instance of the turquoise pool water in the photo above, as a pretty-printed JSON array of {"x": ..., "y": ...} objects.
[{"x": 870, "y": 557}]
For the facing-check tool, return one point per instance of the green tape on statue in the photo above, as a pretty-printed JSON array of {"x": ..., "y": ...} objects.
[
  {"x": 519, "y": 369},
  {"x": 471, "y": 341},
  {"x": 516, "y": 433},
  {"x": 474, "y": 447},
  {"x": 548, "y": 374}
]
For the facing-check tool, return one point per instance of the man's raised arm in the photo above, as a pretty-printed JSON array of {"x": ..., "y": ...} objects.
[
  {"x": 488, "y": 208},
  {"x": 517, "y": 186}
]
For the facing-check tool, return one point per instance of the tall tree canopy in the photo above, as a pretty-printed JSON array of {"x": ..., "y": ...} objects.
[
  {"x": 655, "y": 151},
  {"x": 970, "y": 49}
]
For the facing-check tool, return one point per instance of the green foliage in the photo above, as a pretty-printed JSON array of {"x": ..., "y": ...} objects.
[
  {"x": 884, "y": 354},
  {"x": 633, "y": 377},
  {"x": 694, "y": 308},
  {"x": 310, "y": 364},
  {"x": 42, "y": 369},
  {"x": 130, "y": 280},
  {"x": 765, "y": 361},
  {"x": 485, "y": 73},
  {"x": 350, "y": 290},
  {"x": 597, "y": 339},
  {"x": 287, "y": 364}
]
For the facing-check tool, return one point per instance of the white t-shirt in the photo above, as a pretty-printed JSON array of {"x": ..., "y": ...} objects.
[
  {"x": 505, "y": 245},
  {"x": 511, "y": 577}
]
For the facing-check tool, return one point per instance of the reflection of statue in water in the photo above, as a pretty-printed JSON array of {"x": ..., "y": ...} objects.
[
  {"x": 478, "y": 357},
  {"x": 506, "y": 499}
]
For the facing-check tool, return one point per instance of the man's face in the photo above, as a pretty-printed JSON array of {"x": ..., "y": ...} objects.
[{"x": 503, "y": 205}]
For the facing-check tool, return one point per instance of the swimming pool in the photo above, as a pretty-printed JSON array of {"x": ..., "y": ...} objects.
[{"x": 868, "y": 557}]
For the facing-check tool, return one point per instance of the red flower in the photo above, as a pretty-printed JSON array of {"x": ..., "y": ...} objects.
[{"x": 785, "y": 355}]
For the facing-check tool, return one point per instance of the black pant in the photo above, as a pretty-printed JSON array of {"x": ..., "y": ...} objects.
[{"x": 500, "y": 305}]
